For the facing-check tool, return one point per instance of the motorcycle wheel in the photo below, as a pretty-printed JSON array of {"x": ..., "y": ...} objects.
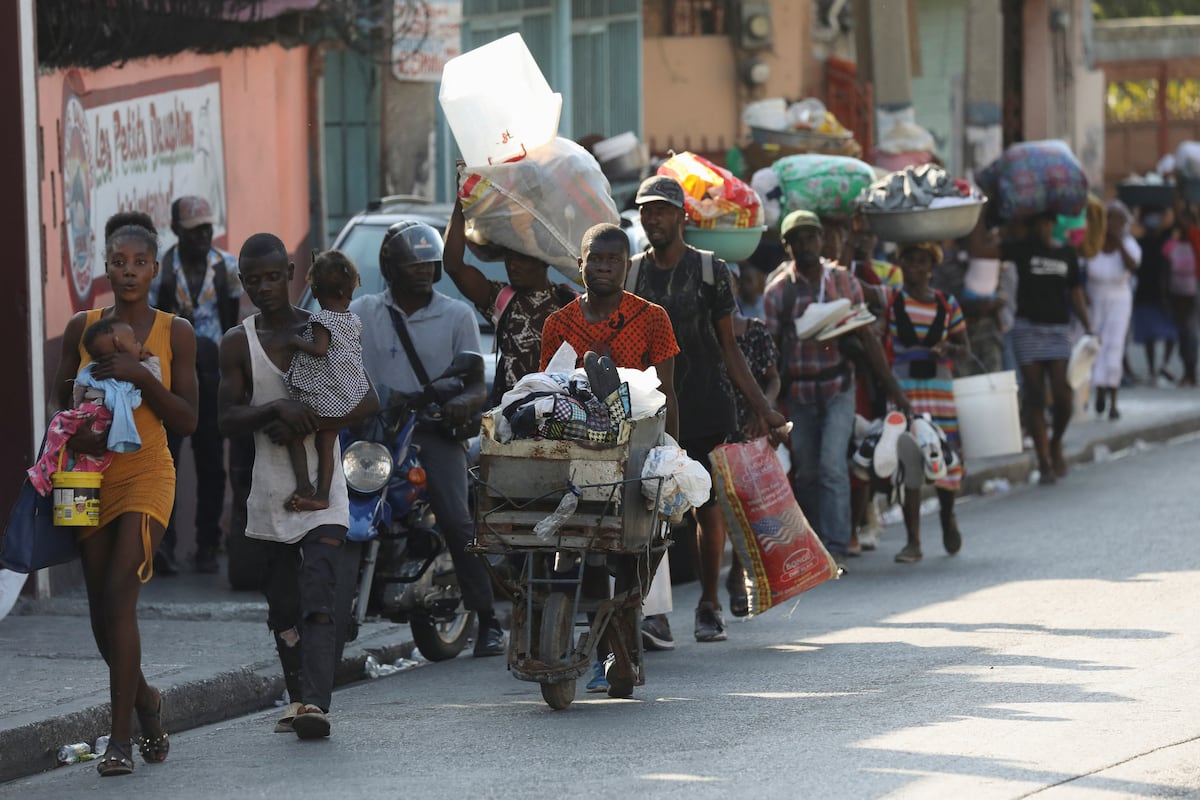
[
  {"x": 442, "y": 641},
  {"x": 555, "y": 645}
]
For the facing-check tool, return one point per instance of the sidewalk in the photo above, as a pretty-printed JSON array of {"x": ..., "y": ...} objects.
[
  {"x": 209, "y": 647},
  {"x": 205, "y": 646}
]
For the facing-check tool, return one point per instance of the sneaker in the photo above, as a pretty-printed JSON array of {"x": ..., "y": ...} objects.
[
  {"x": 602, "y": 374},
  {"x": 710, "y": 624},
  {"x": 284, "y": 725},
  {"x": 656, "y": 633},
  {"x": 490, "y": 641},
  {"x": 884, "y": 459},
  {"x": 598, "y": 683},
  {"x": 931, "y": 448},
  {"x": 311, "y": 723},
  {"x": 864, "y": 455}
]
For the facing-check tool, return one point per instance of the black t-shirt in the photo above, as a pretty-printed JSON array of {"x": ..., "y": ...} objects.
[
  {"x": 1044, "y": 277},
  {"x": 702, "y": 386},
  {"x": 1154, "y": 271}
]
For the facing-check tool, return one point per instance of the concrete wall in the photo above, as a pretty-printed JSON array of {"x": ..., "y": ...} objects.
[
  {"x": 693, "y": 96},
  {"x": 1062, "y": 97},
  {"x": 937, "y": 91}
]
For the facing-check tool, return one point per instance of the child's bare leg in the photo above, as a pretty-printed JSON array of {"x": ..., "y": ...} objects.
[
  {"x": 299, "y": 458},
  {"x": 319, "y": 499}
]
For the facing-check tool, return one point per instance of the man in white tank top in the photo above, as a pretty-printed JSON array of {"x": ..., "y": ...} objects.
[{"x": 302, "y": 549}]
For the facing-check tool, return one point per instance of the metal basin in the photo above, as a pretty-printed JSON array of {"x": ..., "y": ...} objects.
[{"x": 924, "y": 224}]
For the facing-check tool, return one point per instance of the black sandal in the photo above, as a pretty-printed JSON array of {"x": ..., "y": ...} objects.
[
  {"x": 117, "y": 759},
  {"x": 154, "y": 749}
]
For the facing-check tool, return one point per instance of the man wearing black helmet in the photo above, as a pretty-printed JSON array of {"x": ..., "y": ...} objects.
[{"x": 437, "y": 329}]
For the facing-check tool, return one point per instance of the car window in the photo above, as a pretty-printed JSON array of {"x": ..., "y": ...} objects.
[{"x": 361, "y": 243}]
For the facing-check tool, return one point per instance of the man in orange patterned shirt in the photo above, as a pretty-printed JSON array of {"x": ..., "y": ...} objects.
[
  {"x": 637, "y": 334},
  {"x": 610, "y": 321}
]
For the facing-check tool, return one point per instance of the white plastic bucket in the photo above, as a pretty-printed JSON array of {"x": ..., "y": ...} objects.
[
  {"x": 989, "y": 416},
  {"x": 497, "y": 102}
]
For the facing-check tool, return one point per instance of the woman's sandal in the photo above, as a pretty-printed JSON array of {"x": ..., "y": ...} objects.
[
  {"x": 153, "y": 746},
  {"x": 117, "y": 759}
]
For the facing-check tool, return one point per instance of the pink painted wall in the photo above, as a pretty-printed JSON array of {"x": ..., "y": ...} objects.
[{"x": 265, "y": 131}]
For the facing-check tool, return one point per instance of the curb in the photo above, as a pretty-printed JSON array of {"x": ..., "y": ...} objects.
[
  {"x": 33, "y": 748},
  {"x": 1018, "y": 470}
]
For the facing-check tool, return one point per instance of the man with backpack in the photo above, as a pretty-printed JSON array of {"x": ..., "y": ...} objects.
[
  {"x": 200, "y": 283},
  {"x": 518, "y": 309},
  {"x": 695, "y": 289}
]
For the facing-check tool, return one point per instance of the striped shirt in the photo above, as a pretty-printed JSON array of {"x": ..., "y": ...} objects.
[{"x": 922, "y": 314}]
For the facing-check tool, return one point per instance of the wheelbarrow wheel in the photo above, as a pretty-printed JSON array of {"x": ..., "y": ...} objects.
[{"x": 556, "y": 643}]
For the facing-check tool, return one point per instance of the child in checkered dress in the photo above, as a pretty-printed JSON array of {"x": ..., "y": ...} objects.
[{"x": 327, "y": 372}]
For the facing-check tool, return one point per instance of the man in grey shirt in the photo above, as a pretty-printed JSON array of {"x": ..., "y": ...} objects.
[{"x": 440, "y": 328}]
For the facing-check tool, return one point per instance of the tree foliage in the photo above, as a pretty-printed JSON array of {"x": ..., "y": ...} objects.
[
  {"x": 1137, "y": 101},
  {"x": 1117, "y": 9}
]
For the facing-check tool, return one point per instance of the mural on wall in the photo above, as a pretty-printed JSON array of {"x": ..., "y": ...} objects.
[{"x": 136, "y": 148}]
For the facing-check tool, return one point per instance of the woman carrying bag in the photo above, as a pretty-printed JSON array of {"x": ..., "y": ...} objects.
[{"x": 138, "y": 489}]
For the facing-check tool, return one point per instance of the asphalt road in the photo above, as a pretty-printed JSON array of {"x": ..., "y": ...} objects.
[{"x": 1055, "y": 656}]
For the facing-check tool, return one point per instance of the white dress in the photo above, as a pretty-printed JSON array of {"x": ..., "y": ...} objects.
[{"x": 1110, "y": 295}]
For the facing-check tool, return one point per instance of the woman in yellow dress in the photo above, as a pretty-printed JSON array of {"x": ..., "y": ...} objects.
[{"x": 138, "y": 488}]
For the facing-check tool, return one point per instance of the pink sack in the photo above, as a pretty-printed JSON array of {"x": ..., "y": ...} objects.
[{"x": 769, "y": 532}]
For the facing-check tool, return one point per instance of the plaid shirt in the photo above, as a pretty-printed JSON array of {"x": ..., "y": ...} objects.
[{"x": 800, "y": 360}]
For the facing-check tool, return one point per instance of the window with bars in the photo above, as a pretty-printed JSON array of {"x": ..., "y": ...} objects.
[{"x": 686, "y": 17}]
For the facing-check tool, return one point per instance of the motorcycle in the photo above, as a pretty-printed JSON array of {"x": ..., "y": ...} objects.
[{"x": 406, "y": 574}]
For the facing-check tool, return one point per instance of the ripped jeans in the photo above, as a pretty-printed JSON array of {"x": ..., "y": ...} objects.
[{"x": 300, "y": 583}]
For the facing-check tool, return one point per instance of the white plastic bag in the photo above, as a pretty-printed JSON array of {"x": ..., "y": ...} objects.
[
  {"x": 769, "y": 113},
  {"x": 1083, "y": 358},
  {"x": 686, "y": 484},
  {"x": 658, "y": 598},
  {"x": 540, "y": 205},
  {"x": 766, "y": 183}
]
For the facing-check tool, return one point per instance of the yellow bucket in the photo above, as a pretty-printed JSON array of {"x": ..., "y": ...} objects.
[{"x": 76, "y": 498}]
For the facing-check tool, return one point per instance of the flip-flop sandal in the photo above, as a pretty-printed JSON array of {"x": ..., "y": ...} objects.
[
  {"x": 154, "y": 749},
  {"x": 909, "y": 555},
  {"x": 117, "y": 759}
]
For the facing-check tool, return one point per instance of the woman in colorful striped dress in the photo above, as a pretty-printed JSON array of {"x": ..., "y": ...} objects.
[{"x": 925, "y": 330}]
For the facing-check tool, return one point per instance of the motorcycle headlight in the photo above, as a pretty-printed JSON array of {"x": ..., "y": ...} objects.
[{"x": 368, "y": 466}]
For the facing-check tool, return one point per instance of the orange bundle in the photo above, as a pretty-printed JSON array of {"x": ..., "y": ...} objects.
[{"x": 713, "y": 197}]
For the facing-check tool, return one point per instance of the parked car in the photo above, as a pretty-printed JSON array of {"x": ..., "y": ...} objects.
[{"x": 362, "y": 235}]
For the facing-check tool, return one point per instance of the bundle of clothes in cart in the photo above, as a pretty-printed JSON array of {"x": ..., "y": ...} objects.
[{"x": 587, "y": 404}]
